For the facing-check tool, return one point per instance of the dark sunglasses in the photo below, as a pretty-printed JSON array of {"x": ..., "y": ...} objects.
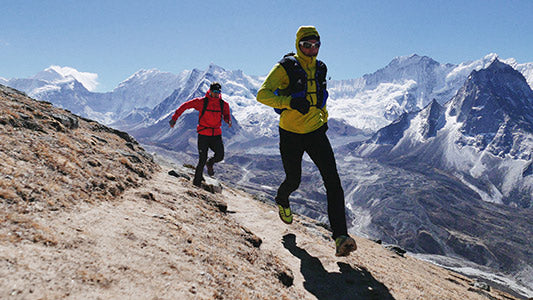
[
  {"x": 308, "y": 45},
  {"x": 215, "y": 91}
]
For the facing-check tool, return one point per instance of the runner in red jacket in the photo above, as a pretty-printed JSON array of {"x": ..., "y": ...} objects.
[{"x": 212, "y": 109}]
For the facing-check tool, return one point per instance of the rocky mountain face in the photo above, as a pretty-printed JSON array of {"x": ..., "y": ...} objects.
[
  {"x": 494, "y": 107},
  {"x": 405, "y": 85},
  {"x": 485, "y": 129},
  {"x": 46, "y": 149},
  {"x": 477, "y": 147}
]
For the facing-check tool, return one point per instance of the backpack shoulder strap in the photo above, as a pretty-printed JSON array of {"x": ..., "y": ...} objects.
[
  {"x": 206, "y": 101},
  {"x": 289, "y": 63},
  {"x": 292, "y": 67},
  {"x": 204, "y": 108},
  {"x": 321, "y": 81},
  {"x": 321, "y": 66}
]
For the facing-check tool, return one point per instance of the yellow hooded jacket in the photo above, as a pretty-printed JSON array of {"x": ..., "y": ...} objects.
[{"x": 291, "y": 119}]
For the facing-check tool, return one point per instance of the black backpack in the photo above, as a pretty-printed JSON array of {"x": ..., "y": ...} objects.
[{"x": 298, "y": 80}]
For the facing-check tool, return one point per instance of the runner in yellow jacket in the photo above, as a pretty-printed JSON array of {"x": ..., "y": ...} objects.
[
  {"x": 292, "y": 120},
  {"x": 302, "y": 128}
]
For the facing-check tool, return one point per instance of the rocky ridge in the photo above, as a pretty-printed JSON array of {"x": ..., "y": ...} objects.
[{"x": 47, "y": 150}]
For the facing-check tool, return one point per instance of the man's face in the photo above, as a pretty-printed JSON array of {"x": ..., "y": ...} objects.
[
  {"x": 215, "y": 93},
  {"x": 310, "y": 48}
]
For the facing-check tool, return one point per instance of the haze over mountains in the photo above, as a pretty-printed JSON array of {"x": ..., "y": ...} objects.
[{"x": 433, "y": 157}]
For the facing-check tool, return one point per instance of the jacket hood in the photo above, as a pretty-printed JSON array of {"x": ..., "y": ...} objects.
[{"x": 305, "y": 31}]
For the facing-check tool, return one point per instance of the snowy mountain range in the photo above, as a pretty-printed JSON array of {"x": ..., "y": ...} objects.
[
  {"x": 67, "y": 88},
  {"x": 365, "y": 104},
  {"x": 446, "y": 171},
  {"x": 406, "y": 84},
  {"x": 484, "y": 134}
]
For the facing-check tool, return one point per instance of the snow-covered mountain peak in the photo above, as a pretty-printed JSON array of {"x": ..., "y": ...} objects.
[
  {"x": 49, "y": 75},
  {"x": 497, "y": 65},
  {"x": 490, "y": 57},
  {"x": 152, "y": 77},
  {"x": 404, "y": 61},
  {"x": 424, "y": 71},
  {"x": 491, "y": 98},
  {"x": 408, "y": 67},
  {"x": 143, "y": 74},
  {"x": 485, "y": 133},
  {"x": 213, "y": 69},
  {"x": 503, "y": 79},
  {"x": 217, "y": 73},
  {"x": 58, "y": 74},
  {"x": 462, "y": 70}
]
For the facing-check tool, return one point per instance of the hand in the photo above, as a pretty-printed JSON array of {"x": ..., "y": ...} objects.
[
  {"x": 229, "y": 123},
  {"x": 172, "y": 123},
  {"x": 300, "y": 104}
]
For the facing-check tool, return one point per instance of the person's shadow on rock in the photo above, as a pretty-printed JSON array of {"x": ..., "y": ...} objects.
[{"x": 350, "y": 283}]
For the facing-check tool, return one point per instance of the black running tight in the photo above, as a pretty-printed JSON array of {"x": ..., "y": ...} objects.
[
  {"x": 205, "y": 143},
  {"x": 317, "y": 146}
]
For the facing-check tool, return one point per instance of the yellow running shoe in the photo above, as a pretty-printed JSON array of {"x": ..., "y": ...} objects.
[
  {"x": 285, "y": 214},
  {"x": 344, "y": 245}
]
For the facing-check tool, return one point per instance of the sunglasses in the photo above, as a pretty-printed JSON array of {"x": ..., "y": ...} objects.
[
  {"x": 308, "y": 45},
  {"x": 215, "y": 91}
]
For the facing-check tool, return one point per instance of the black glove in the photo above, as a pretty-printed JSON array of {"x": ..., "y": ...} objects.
[
  {"x": 300, "y": 104},
  {"x": 172, "y": 123}
]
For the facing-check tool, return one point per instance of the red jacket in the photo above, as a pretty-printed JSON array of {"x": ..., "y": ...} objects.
[{"x": 209, "y": 123}]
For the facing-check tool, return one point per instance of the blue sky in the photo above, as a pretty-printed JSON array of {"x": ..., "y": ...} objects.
[{"x": 116, "y": 38}]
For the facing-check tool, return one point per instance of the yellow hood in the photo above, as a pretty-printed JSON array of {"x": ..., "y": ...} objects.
[{"x": 302, "y": 32}]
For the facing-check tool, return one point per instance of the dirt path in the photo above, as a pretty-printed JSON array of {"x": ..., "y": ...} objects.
[
  {"x": 163, "y": 240},
  {"x": 371, "y": 272},
  {"x": 263, "y": 220},
  {"x": 169, "y": 240}
]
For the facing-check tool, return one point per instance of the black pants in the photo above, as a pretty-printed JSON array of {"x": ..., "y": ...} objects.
[
  {"x": 205, "y": 143},
  {"x": 316, "y": 144}
]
